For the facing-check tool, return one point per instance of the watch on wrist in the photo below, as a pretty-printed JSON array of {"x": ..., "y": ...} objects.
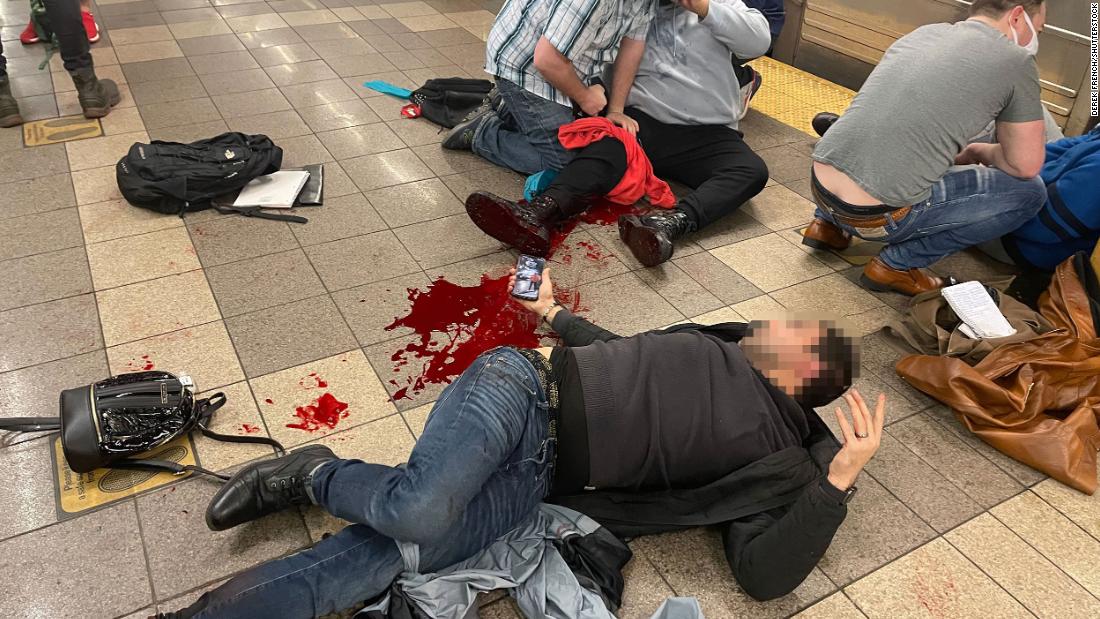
[{"x": 840, "y": 496}]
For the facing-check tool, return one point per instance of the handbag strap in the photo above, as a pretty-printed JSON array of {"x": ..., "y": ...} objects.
[
  {"x": 30, "y": 424},
  {"x": 255, "y": 211}
]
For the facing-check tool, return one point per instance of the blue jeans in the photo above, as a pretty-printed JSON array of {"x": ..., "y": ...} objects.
[
  {"x": 481, "y": 466},
  {"x": 522, "y": 134},
  {"x": 968, "y": 206}
]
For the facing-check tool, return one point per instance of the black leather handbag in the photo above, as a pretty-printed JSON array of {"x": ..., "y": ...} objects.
[{"x": 107, "y": 423}]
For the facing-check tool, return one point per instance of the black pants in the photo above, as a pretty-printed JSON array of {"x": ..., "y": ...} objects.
[
  {"x": 64, "y": 16},
  {"x": 712, "y": 160}
]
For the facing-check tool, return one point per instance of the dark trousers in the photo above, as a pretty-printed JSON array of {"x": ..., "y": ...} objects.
[
  {"x": 712, "y": 160},
  {"x": 64, "y": 16}
]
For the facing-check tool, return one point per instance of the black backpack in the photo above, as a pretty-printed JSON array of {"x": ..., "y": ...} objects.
[
  {"x": 446, "y": 101},
  {"x": 175, "y": 178}
]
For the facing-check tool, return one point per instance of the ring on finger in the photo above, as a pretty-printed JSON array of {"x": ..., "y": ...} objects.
[{"x": 858, "y": 435}]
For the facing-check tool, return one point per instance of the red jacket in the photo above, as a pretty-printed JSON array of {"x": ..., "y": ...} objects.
[{"x": 638, "y": 179}]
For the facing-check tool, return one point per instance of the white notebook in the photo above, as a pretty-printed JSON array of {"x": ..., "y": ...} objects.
[
  {"x": 981, "y": 317},
  {"x": 276, "y": 190}
]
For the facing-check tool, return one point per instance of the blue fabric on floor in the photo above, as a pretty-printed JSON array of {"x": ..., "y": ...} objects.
[
  {"x": 388, "y": 88},
  {"x": 537, "y": 183}
]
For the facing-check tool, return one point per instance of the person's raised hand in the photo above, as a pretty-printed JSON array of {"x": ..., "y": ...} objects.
[
  {"x": 861, "y": 438},
  {"x": 624, "y": 121},
  {"x": 545, "y": 302},
  {"x": 699, "y": 7},
  {"x": 595, "y": 100}
]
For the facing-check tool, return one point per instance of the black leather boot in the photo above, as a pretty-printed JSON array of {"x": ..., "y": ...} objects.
[
  {"x": 822, "y": 121},
  {"x": 650, "y": 237},
  {"x": 266, "y": 487},
  {"x": 96, "y": 96},
  {"x": 9, "y": 107},
  {"x": 527, "y": 226}
]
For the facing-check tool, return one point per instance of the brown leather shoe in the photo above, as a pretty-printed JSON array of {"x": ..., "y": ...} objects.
[
  {"x": 881, "y": 278},
  {"x": 824, "y": 235}
]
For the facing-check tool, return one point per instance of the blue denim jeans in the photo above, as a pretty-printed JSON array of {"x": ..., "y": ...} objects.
[
  {"x": 968, "y": 206},
  {"x": 522, "y": 134},
  {"x": 482, "y": 465}
]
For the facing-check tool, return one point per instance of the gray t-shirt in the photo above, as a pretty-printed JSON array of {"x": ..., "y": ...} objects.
[{"x": 934, "y": 89}]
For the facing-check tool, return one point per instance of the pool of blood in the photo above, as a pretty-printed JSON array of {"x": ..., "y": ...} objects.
[{"x": 324, "y": 412}]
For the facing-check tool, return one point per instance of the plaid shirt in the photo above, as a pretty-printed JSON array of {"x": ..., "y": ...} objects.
[{"x": 587, "y": 32}]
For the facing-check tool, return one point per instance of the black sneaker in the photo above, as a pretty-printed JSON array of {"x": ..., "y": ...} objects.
[
  {"x": 266, "y": 487},
  {"x": 461, "y": 137},
  {"x": 9, "y": 107}
]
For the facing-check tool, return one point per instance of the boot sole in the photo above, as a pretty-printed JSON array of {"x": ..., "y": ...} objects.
[
  {"x": 209, "y": 523},
  {"x": 647, "y": 246},
  {"x": 492, "y": 215},
  {"x": 100, "y": 112},
  {"x": 871, "y": 284},
  {"x": 821, "y": 245},
  {"x": 11, "y": 121}
]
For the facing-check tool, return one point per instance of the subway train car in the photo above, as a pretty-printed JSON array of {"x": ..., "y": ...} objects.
[{"x": 842, "y": 40}]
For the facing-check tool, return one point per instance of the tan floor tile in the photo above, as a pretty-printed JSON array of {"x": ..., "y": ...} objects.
[
  {"x": 1016, "y": 469},
  {"x": 679, "y": 289},
  {"x": 1033, "y": 580},
  {"x": 718, "y": 316},
  {"x": 832, "y": 296},
  {"x": 300, "y": 73},
  {"x": 733, "y": 228},
  {"x": 872, "y": 320},
  {"x": 424, "y": 23},
  {"x": 204, "y": 352},
  {"x": 38, "y": 195},
  {"x": 146, "y": 256},
  {"x": 722, "y": 281},
  {"x": 694, "y": 563},
  {"x": 32, "y": 391},
  {"x": 769, "y": 262},
  {"x": 762, "y": 307},
  {"x": 48, "y": 331},
  {"x": 364, "y": 140},
  {"x": 124, "y": 120},
  {"x": 347, "y": 13},
  {"x": 342, "y": 217},
  {"x": 386, "y": 169},
  {"x": 318, "y": 93},
  {"x": 143, "y": 34},
  {"x": 408, "y": 9},
  {"x": 194, "y": 29},
  {"x": 481, "y": 32},
  {"x": 417, "y": 418},
  {"x": 275, "y": 125},
  {"x": 338, "y": 115},
  {"x": 978, "y": 477},
  {"x": 384, "y": 441},
  {"x": 256, "y": 23},
  {"x": 370, "y": 308},
  {"x": 45, "y": 277},
  {"x": 125, "y": 311},
  {"x": 239, "y": 417},
  {"x": 190, "y": 133},
  {"x": 140, "y": 52},
  {"x": 471, "y": 18},
  {"x": 346, "y": 377},
  {"x": 223, "y": 63},
  {"x": 446, "y": 241},
  {"x": 284, "y": 54},
  {"x": 251, "y": 103},
  {"x": 582, "y": 258},
  {"x": 1078, "y": 506},
  {"x": 795, "y": 237},
  {"x": 306, "y": 18},
  {"x": 418, "y": 131},
  {"x": 38, "y": 233},
  {"x": 836, "y": 606},
  {"x": 99, "y": 152},
  {"x": 779, "y": 208},
  {"x": 373, "y": 12},
  {"x": 28, "y": 502},
  {"x": 645, "y": 589},
  {"x": 379, "y": 256},
  {"x": 303, "y": 150},
  {"x": 608, "y": 303},
  {"x": 933, "y": 581},
  {"x": 1055, "y": 536},
  {"x": 878, "y": 529}
]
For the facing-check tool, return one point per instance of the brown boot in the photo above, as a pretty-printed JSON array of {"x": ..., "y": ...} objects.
[
  {"x": 824, "y": 235},
  {"x": 879, "y": 277},
  {"x": 527, "y": 226}
]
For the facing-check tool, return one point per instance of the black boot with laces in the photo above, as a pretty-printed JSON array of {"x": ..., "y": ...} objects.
[
  {"x": 650, "y": 237},
  {"x": 266, "y": 487}
]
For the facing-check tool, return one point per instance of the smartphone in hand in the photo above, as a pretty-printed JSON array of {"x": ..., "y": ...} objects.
[{"x": 528, "y": 277}]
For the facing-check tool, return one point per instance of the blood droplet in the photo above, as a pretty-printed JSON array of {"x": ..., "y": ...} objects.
[
  {"x": 313, "y": 380},
  {"x": 140, "y": 365},
  {"x": 248, "y": 428},
  {"x": 269, "y": 400},
  {"x": 325, "y": 412}
]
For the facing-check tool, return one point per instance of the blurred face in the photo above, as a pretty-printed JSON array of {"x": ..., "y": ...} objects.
[{"x": 783, "y": 351}]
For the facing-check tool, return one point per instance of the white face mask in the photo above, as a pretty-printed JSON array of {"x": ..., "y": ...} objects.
[{"x": 1033, "y": 46}]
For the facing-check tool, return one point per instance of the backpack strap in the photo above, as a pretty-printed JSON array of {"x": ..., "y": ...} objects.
[
  {"x": 30, "y": 424},
  {"x": 255, "y": 211}
]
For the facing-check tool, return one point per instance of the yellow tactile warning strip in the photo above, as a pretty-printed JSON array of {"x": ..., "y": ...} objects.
[
  {"x": 859, "y": 252},
  {"x": 54, "y": 130},
  {"x": 793, "y": 96},
  {"x": 76, "y": 493}
]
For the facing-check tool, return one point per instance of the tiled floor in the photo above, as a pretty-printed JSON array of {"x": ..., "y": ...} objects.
[{"x": 942, "y": 525}]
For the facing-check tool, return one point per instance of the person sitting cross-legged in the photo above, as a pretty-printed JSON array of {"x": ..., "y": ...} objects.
[
  {"x": 661, "y": 431},
  {"x": 687, "y": 103}
]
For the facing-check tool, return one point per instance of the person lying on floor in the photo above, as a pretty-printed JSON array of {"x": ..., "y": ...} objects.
[
  {"x": 661, "y": 431},
  {"x": 685, "y": 107}
]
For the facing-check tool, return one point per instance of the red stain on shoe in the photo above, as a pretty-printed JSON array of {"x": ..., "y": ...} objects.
[
  {"x": 248, "y": 428},
  {"x": 324, "y": 412},
  {"x": 140, "y": 365},
  {"x": 468, "y": 320}
]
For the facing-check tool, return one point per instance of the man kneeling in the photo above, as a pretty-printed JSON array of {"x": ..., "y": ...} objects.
[
  {"x": 684, "y": 107},
  {"x": 661, "y": 431}
]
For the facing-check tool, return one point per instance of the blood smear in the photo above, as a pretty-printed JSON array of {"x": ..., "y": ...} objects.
[
  {"x": 456, "y": 324},
  {"x": 325, "y": 412},
  {"x": 248, "y": 428}
]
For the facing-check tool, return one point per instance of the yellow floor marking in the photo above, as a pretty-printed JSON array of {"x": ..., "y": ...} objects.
[
  {"x": 54, "y": 130},
  {"x": 793, "y": 96}
]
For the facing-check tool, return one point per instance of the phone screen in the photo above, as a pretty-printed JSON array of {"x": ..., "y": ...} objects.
[{"x": 528, "y": 277}]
